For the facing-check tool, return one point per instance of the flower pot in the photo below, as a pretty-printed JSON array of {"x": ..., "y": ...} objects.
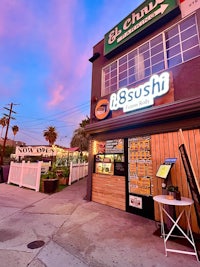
[
  {"x": 171, "y": 195},
  {"x": 63, "y": 181},
  {"x": 50, "y": 185}
]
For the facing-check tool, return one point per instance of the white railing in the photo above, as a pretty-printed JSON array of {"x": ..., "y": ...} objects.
[
  {"x": 25, "y": 174},
  {"x": 77, "y": 171},
  {"x": 45, "y": 167}
]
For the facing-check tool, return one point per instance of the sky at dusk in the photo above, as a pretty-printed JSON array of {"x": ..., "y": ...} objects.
[{"x": 44, "y": 69}]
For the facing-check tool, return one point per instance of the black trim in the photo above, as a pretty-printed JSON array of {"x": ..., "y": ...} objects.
[{"x": 94, "y": 57}]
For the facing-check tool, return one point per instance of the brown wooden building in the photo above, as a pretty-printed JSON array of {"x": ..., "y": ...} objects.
[{"x": 145, "y": 87}]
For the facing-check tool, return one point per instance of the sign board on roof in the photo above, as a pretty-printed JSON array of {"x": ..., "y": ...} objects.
[
  {"x": 145, "y": 15},
  {"x": 189, "y": 6},
  {"x": 35, "y": 151}
]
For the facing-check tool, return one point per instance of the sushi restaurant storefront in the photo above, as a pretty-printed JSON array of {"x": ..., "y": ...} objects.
[{"x": 136, "y": 128}]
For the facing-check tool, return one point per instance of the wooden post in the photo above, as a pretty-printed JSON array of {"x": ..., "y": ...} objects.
[
  {"x": 187, "y": 151},
  {"x": 70, "y": 173}
]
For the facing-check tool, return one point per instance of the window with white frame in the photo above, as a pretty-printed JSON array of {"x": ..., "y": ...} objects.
[
  {"x": 170, "y": 48},
  {"x": 110, "y": 79}
]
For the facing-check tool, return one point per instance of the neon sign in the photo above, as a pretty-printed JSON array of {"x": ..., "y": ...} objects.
[{"x": 141, "y": 96}]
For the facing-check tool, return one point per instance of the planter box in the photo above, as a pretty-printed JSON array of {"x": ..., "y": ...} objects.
[
  {"x": 63, "y": 181},
  {"x": 50, "y": 185}
]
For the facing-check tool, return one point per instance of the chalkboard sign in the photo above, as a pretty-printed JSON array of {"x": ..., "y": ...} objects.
[
  {"x": 191, "y": 181},
  {"x": 119, "y": 168}
]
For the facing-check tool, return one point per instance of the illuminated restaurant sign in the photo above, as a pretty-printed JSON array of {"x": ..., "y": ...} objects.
[
  {"x": 35, "y": 151},
  {"x": 145, "y": 15},
  {"x": 141, "y": 96}
]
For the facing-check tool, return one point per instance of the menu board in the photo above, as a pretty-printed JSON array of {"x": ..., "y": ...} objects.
[
  {"x": 100, "y": 147},
  {"x": 114, "y": 146},
  {"x": 163, "y": 171},
  {"x": 104, "y": 168},
  {"x": 140, "y": 165},
  {"x": 119, "y": 168}
]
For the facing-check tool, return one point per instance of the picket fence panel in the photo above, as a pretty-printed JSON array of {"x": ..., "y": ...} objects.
[
  {"x": 25, "y": 174},
  {"x": 28, "y": 174},
  {"x": 77, "y": 171}
]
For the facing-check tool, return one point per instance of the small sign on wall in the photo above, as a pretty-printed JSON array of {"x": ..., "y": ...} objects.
[
  {"x": 135, "y": 201},
  {"x": 163, "y": 171},
  {"x": 189, "y": 6}
]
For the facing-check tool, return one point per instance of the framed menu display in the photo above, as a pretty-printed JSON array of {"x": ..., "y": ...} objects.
[
  {"x": 114, "y": 146},
  {"x": 139, "y": 166},
  {"x": 163, "y": 170}
]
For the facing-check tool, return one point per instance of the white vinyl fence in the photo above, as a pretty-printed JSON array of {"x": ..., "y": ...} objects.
[
  {"x": 26, "y": 174},
  {"x": 77, "y": 171}
]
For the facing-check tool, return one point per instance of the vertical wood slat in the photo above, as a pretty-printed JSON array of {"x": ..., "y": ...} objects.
[
  {"x": 109, "y": 190},
  {"x": 156, "y": 160},
  {"x": 166, "y": 146},
  {"x": 192, "y": 148}
]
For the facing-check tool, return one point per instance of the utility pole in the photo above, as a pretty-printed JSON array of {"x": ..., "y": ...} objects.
[{"x": 9, "y": 116}]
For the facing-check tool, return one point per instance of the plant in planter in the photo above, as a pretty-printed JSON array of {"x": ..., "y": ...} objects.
[
  {"x": 49, "y": 182},
  {"x": 63, "y": 175},
  {"x": 173, "y": 192}
]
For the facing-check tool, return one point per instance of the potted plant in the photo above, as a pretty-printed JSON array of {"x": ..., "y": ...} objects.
[
  {"x": 172, "y": 190},
  {"x": 63, "y": 175},
  {"x": 49, "y": 182}
]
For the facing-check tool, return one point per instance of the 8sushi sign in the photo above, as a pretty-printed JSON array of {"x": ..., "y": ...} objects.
[{"x": 141, "y": 96}]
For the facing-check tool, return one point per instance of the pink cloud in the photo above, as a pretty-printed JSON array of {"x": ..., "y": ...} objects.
[
  {"x": 61, "y": 46},
  {"x": 83, "y": 64},
  {"x": 57, "y": 96},
  {"x": 16, "y": 20}
]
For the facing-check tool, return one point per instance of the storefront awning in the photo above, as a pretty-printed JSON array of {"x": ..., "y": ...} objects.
[{"x": 176, "y": 111}]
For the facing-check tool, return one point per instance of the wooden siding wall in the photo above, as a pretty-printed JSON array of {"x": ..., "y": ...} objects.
[
  {"x": 109, "y": 190},
  {"x": 167, "y": 146}
]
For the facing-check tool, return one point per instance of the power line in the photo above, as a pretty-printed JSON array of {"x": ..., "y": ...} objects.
[
  {"x": 34, "y": 126},
  {"x": 35, "y": 122},
  {"x": 64, "y": 112},
  {"x": 9, "y": 116}
]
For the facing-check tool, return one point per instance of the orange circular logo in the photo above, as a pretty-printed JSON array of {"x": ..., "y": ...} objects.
[{"x": 102, "y": 109}]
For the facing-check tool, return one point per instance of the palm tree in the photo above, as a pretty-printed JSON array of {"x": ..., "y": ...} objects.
[
  {"x": 50, "y": 135},
  {"x": 15, "y": 129},
  {"x": 85, "y": 122},
  {"x": 3, "y": 123},
  {"x": 80, "y": 139}
]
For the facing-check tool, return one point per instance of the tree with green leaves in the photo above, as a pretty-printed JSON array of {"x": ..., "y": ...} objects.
[
  {"x": 85, "y": 122},
  {"x": 3, "y": 123},
  {"x": 80, "y": 137},
  {"x": 15, "y": 130},
  {"x": 50, "y": 135}
]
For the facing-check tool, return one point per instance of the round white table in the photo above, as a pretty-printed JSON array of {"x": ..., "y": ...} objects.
[{"x": 186, "y": 204}]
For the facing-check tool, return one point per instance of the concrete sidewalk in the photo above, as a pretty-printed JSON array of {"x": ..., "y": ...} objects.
[{"x": 77, "y": 233}]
